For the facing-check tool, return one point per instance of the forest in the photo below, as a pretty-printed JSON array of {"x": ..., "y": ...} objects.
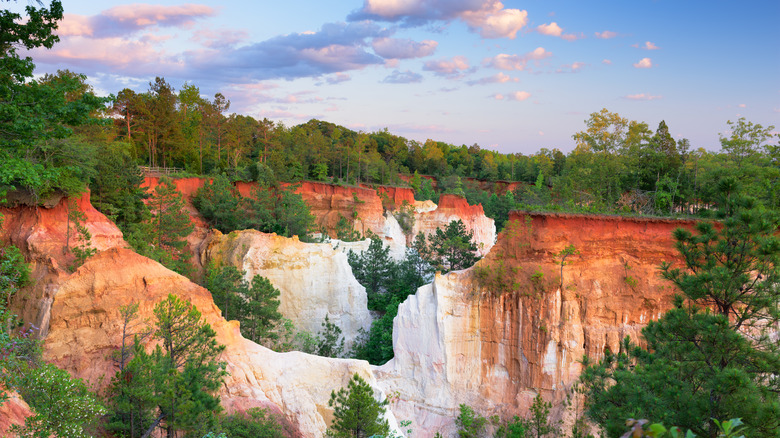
[{"x": 710, "y": 366}]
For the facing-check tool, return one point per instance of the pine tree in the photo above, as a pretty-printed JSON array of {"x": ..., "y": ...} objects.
[
  {"x": 170, "y": 222},
  {"x": 452, "y": 248},
  {"x": 356, "y": 413},
  {"x": 713, "y": 356},
  {"x": 259, "y": 313},
  {"x": 185, "y": 369}
]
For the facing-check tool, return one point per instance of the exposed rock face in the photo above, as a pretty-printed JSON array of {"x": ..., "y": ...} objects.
[
  {"x": 41, "y": 234},
  {"x": 497, "y": 334},
  {"x": 187, "y": 187},
  {"x": 314, "y": 279},
  {"x": 85, "y": 329},
  {"x": 13, "y": 412},
  {"x": 451, "y": 208},
  {"x": 79, "y": 315}
]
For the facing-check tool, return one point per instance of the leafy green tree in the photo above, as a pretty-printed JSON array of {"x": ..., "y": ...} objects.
[
  {"x": 254, "y": 423},
  {"x": 356, "y": 413},
  {"x": 712, "y": 355},
  {"x": 452, "y": 248},
  {"x": 63, "y": 406},
  {"x": 218, "y": 201},
  {"x": 36, "y": 114}
]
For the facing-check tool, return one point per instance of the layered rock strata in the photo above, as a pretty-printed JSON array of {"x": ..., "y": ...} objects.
[
  {"x": 518, "y": 323},
  {"x": 314, "y": 279},
  {"x": 78, "y": 314}
]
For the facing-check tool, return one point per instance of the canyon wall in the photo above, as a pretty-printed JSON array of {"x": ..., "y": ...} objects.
[
  {"x": 496, "y": 335},
  {"x": 78, "y": 316},
  {"x": 451, "y": 208},
  {"x": 314, "y": 279}
]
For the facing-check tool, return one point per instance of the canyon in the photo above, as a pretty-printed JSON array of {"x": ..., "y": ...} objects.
[{"x": 492, "y": 336}]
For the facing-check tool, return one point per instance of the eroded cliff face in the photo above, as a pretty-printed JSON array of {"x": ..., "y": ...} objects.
[
  {"x": 451, "y": 208},
  {"x": 497, "y": 334},
  {"x": 314, "y": 280},
  {"x": 42, "y": 235},
  {"x": 80, "y": 322}
]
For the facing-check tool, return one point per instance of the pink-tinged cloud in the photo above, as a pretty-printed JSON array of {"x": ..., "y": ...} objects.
[
  {"x": 498, "y": 96},
  {"x": 338, "y": 78},
  {"x": 451, "y": 68},
  {"x": 649, "y": 46},
  {"x": 134, "y": 58},
  {"x": 541, "y": 133},
  {"x": 553, "y": 29},
  {"x": 519, "y": 95},
  {"x": 742, "y": 105},
  {"x": 494, "y": 21},
  {"x": 642, "y": 96},
  {"x": 607, "y": 34},
  {"x": 489, "y": 18},
  {"x": 127, "y": 19},
  {"x": 499, "y": 78},
  {"x": 574, "y": 67},
  {"x": 395, "y": 48},
  {"x": 219, "y": 38},
  {"x": 606, "y": 61},
  {"x": 503, "y": 61},
  {"x": 644, "y": 63}
]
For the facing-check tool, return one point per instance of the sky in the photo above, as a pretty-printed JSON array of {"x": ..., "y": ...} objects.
[{"x": 512, "y": 76}]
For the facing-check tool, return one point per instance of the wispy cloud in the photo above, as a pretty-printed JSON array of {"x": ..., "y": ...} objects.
[
  {"x": 647, "y": 46},
  {"x": 517, "y": 96},
  {"x": 606, "y": 61},
  {"x": 395, "y": 48},
  {"x": 642, "y": 96},
  {"x": 499, "y": 78},
  {"x": 644, "y": 63},
  {"x": 504, "y": 61},
  {"x": 574, "y": 67},
  {"x": 607, "y": 34},
  {"x": 450, "y": 68},
  {"x": 489, "y": 18},
  {"x": 126, "y": 19},
  {"x": 403, "y": 77},
  {"x": 553, "y": 29}
]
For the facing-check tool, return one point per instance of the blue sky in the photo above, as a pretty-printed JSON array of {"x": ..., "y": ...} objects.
[{"x": 513, "y": 76}]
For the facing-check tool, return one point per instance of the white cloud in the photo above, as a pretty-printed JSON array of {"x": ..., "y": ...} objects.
[
  {"x": 607, "y": 34},
  {"x": 487, "y": 17},
  {"x": 642, "y": 96},
  {"x": 504, "y": 61},
  {"x": 551, "y": 29},
  {"x": 519, "y": 95},
  {"x": 644, "y": 63},
  {"x": 452, "y": 68}
]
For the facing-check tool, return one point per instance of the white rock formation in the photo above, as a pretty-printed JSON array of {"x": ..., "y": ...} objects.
[{"x": 314, "y": 279}]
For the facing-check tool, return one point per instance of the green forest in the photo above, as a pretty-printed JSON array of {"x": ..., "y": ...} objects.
[{"x": 708, "y": 367}]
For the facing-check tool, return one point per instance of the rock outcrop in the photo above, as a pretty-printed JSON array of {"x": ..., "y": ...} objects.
[
  {"x": 78, "y": 314},
  {"x": 13, "y": 412},
  {"x": 314, "y": 279},
  {"x": 511, "y": 327},
  {"x": 451, "y": 208}
]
